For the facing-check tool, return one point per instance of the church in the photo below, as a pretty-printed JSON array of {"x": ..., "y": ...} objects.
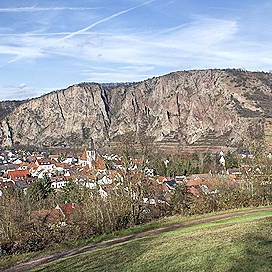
[{"x": 91, "y": 158}]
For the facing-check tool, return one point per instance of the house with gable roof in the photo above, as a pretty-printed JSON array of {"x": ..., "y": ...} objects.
[
  {"x": 19, "y": 178},
  {"x": 60, "y": 215},
  {"x": 15, "y": 175},
  {"x": 45, "y": 163},
  {"x": 44, "y": 166}
]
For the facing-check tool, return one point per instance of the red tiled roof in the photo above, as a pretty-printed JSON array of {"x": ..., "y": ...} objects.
[
  {"x": 232, "y": 178},
  {"x": 194, "y": 191},
  {"x": 47, "y": 216},
  {"x": 86, "y": 167},
  {"x": 112, "y": 175},
  {"x": 138, "y": 161},
  {"x": 84, "y": 156},
  {"x": 99, "y": 163},
  {"x": 194, "y": 182},
  {"x": 33, "y": 166},
  {"x": 92, "y": 177},
  {"x": 161, "y": 189},
  {"x": 18, "y": 174},
  {"x": 210, "y": 183},
  {"x": 24, "y": 164},
  {"x": 60, "y": 213},
  {"x": 162, "y": 179},
  {"x": 69, "y": 210}
]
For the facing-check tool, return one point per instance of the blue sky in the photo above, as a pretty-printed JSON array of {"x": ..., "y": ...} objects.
[{"x": 52, "y": 44}]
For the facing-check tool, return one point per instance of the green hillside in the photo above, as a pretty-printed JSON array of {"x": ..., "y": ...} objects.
[{"x": 242, "y": 243}]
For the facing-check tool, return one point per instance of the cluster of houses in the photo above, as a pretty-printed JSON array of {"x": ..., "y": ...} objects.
[{"x": 20, "y": 169}]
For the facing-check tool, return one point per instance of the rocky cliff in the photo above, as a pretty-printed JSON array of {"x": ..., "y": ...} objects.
[
  {"x": 6, "y": 107},
  {"x": 201, "y": 107}
]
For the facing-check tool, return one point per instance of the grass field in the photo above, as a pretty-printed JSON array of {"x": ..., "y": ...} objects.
[{"x": 242, "y": 243}]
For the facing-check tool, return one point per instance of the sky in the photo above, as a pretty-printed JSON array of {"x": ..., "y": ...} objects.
[{"x": 48, "y": 45}]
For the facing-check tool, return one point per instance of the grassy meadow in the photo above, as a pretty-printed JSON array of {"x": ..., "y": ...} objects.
[{"x": 242, "y": 243}]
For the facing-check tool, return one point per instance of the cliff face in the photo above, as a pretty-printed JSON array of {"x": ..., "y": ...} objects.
[
  {"x": 206, "y": 107},
  {"x": 6, "y": 107}
]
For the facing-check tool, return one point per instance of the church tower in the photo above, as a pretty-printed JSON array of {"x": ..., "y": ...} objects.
[
  {"x": 91, "y": 144},
  {"x": 89, "y": 155}
]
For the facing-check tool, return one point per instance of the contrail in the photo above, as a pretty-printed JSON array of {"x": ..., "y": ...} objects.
[
  {"x": 87, "y": 28},
  {"x": 13, "y": 60},
  {"x": 103, "y": 20}
]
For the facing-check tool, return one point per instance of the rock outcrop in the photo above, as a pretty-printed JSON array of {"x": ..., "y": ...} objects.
[{"x": 203, "y": 107}]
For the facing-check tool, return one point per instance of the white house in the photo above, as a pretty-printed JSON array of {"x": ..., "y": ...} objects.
[
  {"x": 59, "y": 183},
  {"x": 44, "y": 166}
]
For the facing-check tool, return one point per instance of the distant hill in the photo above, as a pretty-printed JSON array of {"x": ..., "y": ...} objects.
[{"x": 197, "y": 108}]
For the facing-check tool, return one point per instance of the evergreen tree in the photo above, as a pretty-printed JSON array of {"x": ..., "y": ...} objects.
[
  {"x": 188, "y": 168},
  {"x": 70, "y": 193},
  {"x": 179, "y": 167},
  {"x": 41, "y": 189},
  {"x": 229, "y": 160},
  {"x": 207, "y": 158}
]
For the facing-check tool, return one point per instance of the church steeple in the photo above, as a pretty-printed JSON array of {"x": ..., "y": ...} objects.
[{"x": 91, "y": 144}]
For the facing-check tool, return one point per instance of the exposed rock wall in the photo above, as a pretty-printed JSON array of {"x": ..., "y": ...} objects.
[
  {"x": 203, "y": 107},
  {"x": 6, "y": 107}
]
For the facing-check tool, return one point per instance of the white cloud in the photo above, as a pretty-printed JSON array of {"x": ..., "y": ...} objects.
[
  {"x": 205, "y": 42},
  {"x": 137, "y": 68},
  {"x": 202, "y": 38},
  {"x": 125, "y": 52},
  {"x": 21, "y": 86},
  {"x": 119, "y": 76},
  {"x": 166, "y": 48},
  {"x": 37, "y": 46},
  {"x": 21, "y": 92}
]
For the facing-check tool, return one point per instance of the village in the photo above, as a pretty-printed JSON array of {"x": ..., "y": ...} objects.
[
  {"x": 64, "y": 196},
  {"x": 20, "y": 169},
  {"x": 135, "y": 136}
]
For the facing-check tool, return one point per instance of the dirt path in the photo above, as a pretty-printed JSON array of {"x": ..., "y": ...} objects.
[{"x": 49, "y": 258}]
